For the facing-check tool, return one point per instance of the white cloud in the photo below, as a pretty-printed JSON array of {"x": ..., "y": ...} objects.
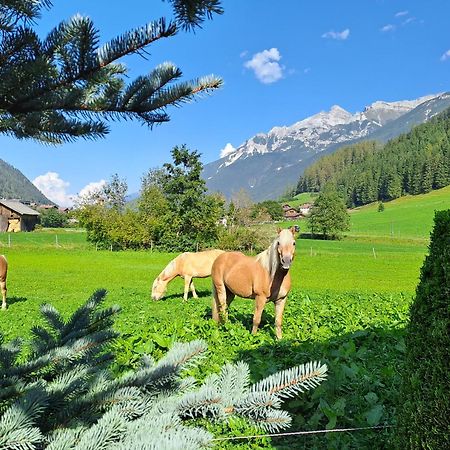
[
  {"x": 54, "y": 188},
  {"x": 91, "y": 188},
  {"x": 243, "y": 54},
  {"x": 402, "y": 13},
  {"x": 227, "y": 150},
  {"x": 265, "y": 65},
  {"x": 338, "y": 35},
  {"x": 445, "y": 56},
  {"x": 409, "y": 20},
  {"x": 307, "y": 70},
  {"x": 388, "y": 27}
]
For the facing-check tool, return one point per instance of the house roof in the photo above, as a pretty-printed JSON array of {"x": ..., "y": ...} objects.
[{"x": 19, "y": 207}]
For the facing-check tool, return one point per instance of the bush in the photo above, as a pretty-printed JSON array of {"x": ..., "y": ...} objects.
[
  {"x": 423, "y": 418},
  {"x": 52, "y": 218}
]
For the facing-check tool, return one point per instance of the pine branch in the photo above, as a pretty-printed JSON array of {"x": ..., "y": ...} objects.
[
  {"x": 190, "y": 14},
  {"x": 290, "y": 382}
]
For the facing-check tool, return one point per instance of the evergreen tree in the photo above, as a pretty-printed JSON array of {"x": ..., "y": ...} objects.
[
  {"x": 65, "y": 85},
  {"x": 61, "y": 393},
  {"x": 425, "y": 404}
]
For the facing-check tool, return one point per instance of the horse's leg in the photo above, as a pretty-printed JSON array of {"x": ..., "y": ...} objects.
[
  {"x": 260, "y": 302},
  {"x": 219, "y": 308},
  {"x": 230, "y": 297},
  {"x": 279, "y": 308},
  {"x": 3, "y": 289},
  {"x": 194, "y": 294},
  {"x": 187, "y": 283}
]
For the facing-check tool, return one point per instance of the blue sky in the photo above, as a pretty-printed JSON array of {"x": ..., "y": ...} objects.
[{"x": 281, "y": 61}]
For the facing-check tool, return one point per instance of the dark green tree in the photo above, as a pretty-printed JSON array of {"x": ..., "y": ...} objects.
[
  {"x": 425, "y": 402},
  {"x": 52, "y": 218},
  {"x": 329, "y": 216},
  {"x": 194, "y": 215},
  {"x": 66, "y": 85},
  {"x": 272, "y": 207}
]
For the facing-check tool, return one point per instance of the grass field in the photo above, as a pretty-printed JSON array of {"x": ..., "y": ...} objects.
[
  {"x": 408, "y": 217},
  {"x": 348, "y": 307}
]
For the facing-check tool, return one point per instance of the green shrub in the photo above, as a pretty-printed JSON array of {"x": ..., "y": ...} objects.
[
  {"x": 52, "y": 218},
  {"x": 423, "y": 417}
]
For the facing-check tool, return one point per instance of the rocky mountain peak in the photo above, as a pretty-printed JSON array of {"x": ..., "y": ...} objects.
[{"x": 287, "y": 150}]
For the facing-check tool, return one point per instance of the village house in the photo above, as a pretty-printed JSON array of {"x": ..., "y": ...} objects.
[
  {"x": 291, "y": 213},
  {"x": 15, "y": 216},
  {"x": 305, "y": 209}
]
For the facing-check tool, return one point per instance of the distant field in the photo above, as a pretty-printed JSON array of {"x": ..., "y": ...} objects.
[
  {"x": 304, "y": 197},
  {"x": 409, "y": 217}
]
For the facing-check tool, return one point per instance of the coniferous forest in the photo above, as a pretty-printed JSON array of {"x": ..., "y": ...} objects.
[{"x": 413, "y": 163}]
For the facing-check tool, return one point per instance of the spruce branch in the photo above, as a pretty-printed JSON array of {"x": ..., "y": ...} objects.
[{"x": 292, "y": 381}]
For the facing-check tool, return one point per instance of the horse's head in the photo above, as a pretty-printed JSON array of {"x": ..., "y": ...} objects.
[
  {"x": 158, "y": 288},
  {"x": 286, "y": 246}
]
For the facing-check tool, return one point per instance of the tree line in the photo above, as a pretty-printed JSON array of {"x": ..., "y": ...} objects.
[
  {"x": 413, "y": 163},
  {"x": 173, "y": 212}
]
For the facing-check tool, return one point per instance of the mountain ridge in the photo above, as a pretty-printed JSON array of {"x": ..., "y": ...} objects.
[
  {"x": 15, "y": 185},
  {"x": 268, "y": 163}
]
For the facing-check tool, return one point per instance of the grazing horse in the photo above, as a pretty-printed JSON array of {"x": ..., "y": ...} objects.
[
  {"x": 264, "y": 278},
  {"x": 187, "y": 265},
  {"x": 3, "y": 273}
]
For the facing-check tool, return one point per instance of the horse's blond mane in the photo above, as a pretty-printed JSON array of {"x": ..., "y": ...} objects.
[
  {"x": 169, "y": 269},
  {"x": 269, "y": 258}
]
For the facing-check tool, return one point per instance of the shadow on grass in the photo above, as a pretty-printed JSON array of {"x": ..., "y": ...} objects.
[
  {"x": 361, "y": 390},
  {"x": 12, "y": 300},
  {"x": 201, "y": 294}
]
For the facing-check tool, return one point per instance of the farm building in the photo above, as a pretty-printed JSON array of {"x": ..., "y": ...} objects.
[
  {"x": 305, "y": 209},
  {"x": 290, "y": 213},
  {"x": 15, "y": 216}
]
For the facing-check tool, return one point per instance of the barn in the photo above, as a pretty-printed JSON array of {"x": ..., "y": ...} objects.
[{"x": 15, "y": 216}]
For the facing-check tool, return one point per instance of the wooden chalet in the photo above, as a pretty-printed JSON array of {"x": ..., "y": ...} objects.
[
  {"x": 15, "y": 216},
  {"x": 290, "y": 213}
]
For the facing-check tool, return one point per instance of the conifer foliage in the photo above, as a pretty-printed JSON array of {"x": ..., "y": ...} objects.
[
  {"x": 61, "y": 394},
  {"x": 67, "y": 85},
  {"x": 424, "y": 413}
]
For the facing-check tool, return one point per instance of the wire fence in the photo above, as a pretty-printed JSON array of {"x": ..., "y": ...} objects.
[
  {"x": 300, "y": 433},
  {"x": 63, "y": 239}
]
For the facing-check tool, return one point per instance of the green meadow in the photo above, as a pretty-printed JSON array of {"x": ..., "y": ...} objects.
[
  {"x": 348, "y": 307},
  {"x": 409, "y": 217}
]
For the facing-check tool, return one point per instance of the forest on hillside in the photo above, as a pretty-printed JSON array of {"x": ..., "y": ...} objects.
[
  {"x": 413, "y": 163},
  {"x": 13, "y": 184}
]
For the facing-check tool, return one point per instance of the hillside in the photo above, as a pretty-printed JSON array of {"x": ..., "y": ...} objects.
[
  {"x": 413, "y": 163},
  {"x": 13, "y": 184},
  {"x": 269, "y": 163},
  {"x": 408, "y": 217}
]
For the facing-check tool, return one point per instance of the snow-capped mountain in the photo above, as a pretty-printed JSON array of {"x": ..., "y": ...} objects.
[{"x": 268, "y": 163}]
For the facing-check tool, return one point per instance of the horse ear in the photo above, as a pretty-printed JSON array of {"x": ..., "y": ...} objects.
[
  {"x": 293, "y": 230},
  {"x": 278, "y": 230}
]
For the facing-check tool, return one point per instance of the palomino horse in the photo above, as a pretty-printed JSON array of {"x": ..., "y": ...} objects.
[
  {"x": 264, "y": 278},
  {"x": 187, "y": 265},
  {"x": 3, "y": 273}
]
